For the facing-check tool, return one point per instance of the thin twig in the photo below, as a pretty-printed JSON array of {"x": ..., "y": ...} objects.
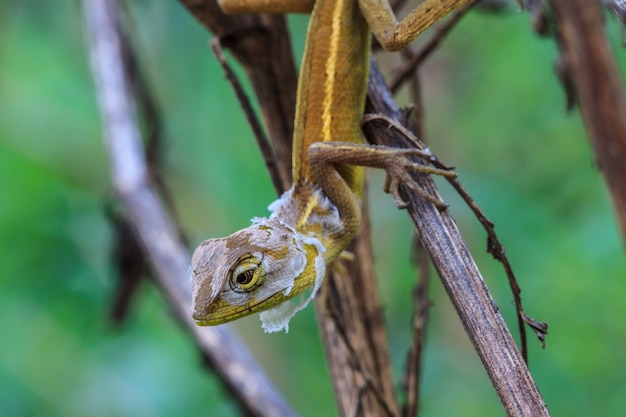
[
  {"x": 261, "y": 45},
  {"x": 149, "y": 114},
  {"x": 257, "y": 130},
  {"x": 496, "y": 249},
  {"x": 166, "y": 254}
]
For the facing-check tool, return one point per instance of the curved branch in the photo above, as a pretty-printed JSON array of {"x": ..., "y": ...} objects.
[{"x": 166, "y": 254}]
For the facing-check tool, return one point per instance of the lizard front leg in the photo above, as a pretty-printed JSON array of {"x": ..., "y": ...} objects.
[{"x": 325, "y": 157}]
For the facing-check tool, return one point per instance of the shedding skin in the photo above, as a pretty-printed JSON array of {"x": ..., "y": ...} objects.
[{"x": 252, "y": 270}]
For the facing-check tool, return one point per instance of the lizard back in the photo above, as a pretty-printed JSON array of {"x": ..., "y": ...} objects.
[{"x": 332, "y": 85}]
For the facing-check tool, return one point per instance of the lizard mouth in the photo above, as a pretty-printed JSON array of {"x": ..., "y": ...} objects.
[{"x": 221, "y": 312}]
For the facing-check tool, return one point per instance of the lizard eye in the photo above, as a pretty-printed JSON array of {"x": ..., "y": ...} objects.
[{"x": 247, "y": 275}]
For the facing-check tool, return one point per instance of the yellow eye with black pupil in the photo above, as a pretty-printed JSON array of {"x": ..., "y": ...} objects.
[{"x": 245, "y": 277}]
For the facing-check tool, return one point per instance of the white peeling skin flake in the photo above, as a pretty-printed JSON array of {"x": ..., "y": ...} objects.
[{"x": 277, "y": 318}]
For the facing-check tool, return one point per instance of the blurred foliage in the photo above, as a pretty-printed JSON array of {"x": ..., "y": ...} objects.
[{"x": 494, "y": 110}]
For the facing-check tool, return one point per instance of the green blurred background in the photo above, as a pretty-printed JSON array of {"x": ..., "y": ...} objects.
[{"x": 494, "y": 110}]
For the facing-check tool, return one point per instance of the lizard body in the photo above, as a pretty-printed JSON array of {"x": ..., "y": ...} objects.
[{"x": 259, "y": 268}]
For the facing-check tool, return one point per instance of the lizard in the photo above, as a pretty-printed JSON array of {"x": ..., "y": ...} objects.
[{"x": 262, "y": 267}]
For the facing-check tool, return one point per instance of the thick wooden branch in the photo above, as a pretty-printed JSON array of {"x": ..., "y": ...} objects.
[
  {"x": 460, "y": 276},
  {"x": 599, "y": 90},
  {"x": 350, "y": 318},
  {"x": 165, "y": 252}
]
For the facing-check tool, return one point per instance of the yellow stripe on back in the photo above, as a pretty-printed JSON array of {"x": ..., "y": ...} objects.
[
  {"x": 332, "y": 84},
  {"x": 331, "y": 72}
]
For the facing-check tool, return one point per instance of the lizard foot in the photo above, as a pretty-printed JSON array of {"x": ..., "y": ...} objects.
[{"x": 399, "y": 167}]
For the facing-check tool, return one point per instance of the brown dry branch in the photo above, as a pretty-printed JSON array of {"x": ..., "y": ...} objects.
[
  {"x": 255, "y": 124},
  {"x": 598, "y": 88},
  {"x": 467, "y": 290},
  {"x": 354, "y": 334},
  {"x": 410, "y": 68},
  {"x": 144, "y": 210}
]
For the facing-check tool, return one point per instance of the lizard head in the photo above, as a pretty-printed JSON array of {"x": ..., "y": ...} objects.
[{"x": 256, "y": 269}]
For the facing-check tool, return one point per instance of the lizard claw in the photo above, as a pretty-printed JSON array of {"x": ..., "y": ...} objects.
[
  {"x": 392, "y": 186},
  {"x": 398, "y": 173}
]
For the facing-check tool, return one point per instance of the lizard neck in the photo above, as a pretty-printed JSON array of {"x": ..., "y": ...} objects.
[{"x": 305, "y": 209}]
